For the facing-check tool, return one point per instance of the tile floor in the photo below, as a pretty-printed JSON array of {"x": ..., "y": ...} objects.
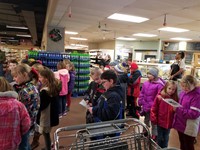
[{"x": 77, "y": 116}]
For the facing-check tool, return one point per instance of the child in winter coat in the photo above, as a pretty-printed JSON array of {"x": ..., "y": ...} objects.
[
  {"x": 162, "y": 114},
  {"x": 63, "y": 75},
  {"x": 148, "y": 93},
  {"x": 70, "y": 67},
  {"x": 28, "y": 95},
  {"x": 133, "y": 90},
  {"x": 48, "y": 114},
  {"x": 187, "y": 117},
  {"x": 14, "y": 118},
  {"x": 93, "y": 92}
]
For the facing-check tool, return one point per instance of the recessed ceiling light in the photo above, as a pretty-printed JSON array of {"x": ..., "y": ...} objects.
[
  {"x": 76, "y": 38},
  {"x": 15, "y": 27},
  {"x": 126, "y": 38},
  {"x": 23, "y": 35},
  {"x": 180, "y": 39},
  {"x": 71, "y": 32},
  {"x": 144, "y": 35},
  {"x": 129, "y": 18},
  {"x": 172, "y": 29}
]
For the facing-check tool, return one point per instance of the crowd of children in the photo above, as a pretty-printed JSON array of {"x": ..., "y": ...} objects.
[
  {"x": 150, "y": 101},
  {"x": 41, "y": 97},
  {"x": 114, "y": 93}
]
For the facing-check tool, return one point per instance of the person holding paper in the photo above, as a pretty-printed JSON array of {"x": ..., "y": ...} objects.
[
  {"x": 162, "y": 113},
  {"x": 93, "y": 92},
  {"x": 187, "y": 118},
  {"x": 109, "y": 105}
]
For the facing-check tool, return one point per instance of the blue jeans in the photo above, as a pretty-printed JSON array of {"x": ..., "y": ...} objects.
[
  {"x": 24, "y": 145},
  {"x": 163, "y": 136},
  {"x": 62, "y": 104}
]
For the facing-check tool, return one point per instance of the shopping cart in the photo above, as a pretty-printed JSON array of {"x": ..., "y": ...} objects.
[{"x": 125, "y": 134}]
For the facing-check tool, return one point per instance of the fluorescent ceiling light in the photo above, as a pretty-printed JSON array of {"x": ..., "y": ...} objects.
[
  {"x": 23, "y": 35},
  {"x": 144, "y": 35},
  {"x": 180, "y": 39},
  {"x": 126, "y": 38},
  {"x": 76, "y": 38},
  {"x": 129, "y": 18},
  {"x": 81, "y": 45},
  {"x": 15, "y": 27},
  {"x": 71, "y": 32},
  {"x": 172, "y": 29}
]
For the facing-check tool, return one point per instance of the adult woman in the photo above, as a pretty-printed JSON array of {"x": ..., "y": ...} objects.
[{"x": 178, "y": 67}]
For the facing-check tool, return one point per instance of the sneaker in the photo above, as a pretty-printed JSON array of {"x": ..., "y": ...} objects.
[
  {"x": 60, "y": 116},
  {"x": 65, "y": 113}
]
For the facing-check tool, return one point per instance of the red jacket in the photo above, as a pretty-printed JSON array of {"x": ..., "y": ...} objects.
[
  {"x": 134, "y": 84},
  {"x": 162, "y": 114}
]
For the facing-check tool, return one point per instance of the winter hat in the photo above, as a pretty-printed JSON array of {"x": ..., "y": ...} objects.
[
  {"x": 113, "y": 63},
  {"x": 153, "y": 71},
  {"x": 134, "y": 66},
  {"x": 119, "y": 68}
]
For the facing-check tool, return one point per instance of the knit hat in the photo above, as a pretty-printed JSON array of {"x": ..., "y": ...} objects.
[
  {"x": 113, "y": 63},
  {"x": 119, "y": 68},
  {"x": 153, "y": 71},
  {"x": 134, "y": 66}
]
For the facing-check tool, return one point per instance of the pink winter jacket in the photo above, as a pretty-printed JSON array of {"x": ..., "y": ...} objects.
[
  {"x": 14, "y": 120},
  {"x": 63, "y": 76}
]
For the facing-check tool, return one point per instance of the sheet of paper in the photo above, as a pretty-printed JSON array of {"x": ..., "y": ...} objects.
[
  {"x": 83, "y": 103},
  {"x": 172, "y": 102}
]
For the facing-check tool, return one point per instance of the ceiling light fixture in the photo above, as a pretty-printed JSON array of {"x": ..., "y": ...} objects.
[
  {"x": 129, "y": 18},
  {"x": 15, "y": 27},
  {"x": 76, "y": 38},
  {"x": 71, "y": 32},
  {"x": 172, "y": 29},
  {"x": 126, "y": 39},
  {"x": 145, "y": 35},
  {"x": 180, "y": 39},
  {"x": 81, "y": 45},
  {"x": 23, "y": 35}
]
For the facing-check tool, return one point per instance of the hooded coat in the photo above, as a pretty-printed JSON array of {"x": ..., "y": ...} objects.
[
  {"x": 148, "y": 93},
  {"x": 14, "y": 120},
  {"x": 190, "y": 110}
]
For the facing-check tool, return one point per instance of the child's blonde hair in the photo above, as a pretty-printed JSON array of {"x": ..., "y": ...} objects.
[
  {"x": 175, "y": 95},
  {"x": 61, "y": 65},
  {"x": 95, "y": 71},
  {"x": 4, "y": 85},
  {"x": 26, "y": 70},
  {"x": 189, "y": 80},
  {"x": 38, "y": 67},
  {"x": 66, "y": 61},
  {"x": 72, "y": 66}
]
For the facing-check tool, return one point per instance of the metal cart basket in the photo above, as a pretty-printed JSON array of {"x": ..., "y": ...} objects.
[{"x": 125, "y": 134}]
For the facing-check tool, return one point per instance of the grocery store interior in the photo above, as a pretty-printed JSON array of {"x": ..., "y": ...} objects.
[{"x": 148, "y": 32}]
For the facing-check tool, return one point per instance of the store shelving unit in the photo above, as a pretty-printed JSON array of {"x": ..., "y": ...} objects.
[{"x": 81, "y": 62}]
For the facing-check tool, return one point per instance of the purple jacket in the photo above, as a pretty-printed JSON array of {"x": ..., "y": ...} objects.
[
  {"x": 190, "y": 110},
  {"x": 149, "y": 92},
  {"x": 71, "y": 82}
]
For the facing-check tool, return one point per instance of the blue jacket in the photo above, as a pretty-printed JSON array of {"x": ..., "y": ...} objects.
[{"x": 109, "y": 104}]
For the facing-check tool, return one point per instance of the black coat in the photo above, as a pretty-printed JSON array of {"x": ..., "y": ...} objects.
[
  {"x": 109, "y": 104},
  {"x": 45, "y": 101}
]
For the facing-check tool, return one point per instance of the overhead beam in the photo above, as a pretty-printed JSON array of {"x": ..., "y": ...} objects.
[{"x": 29, "y": 18}]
